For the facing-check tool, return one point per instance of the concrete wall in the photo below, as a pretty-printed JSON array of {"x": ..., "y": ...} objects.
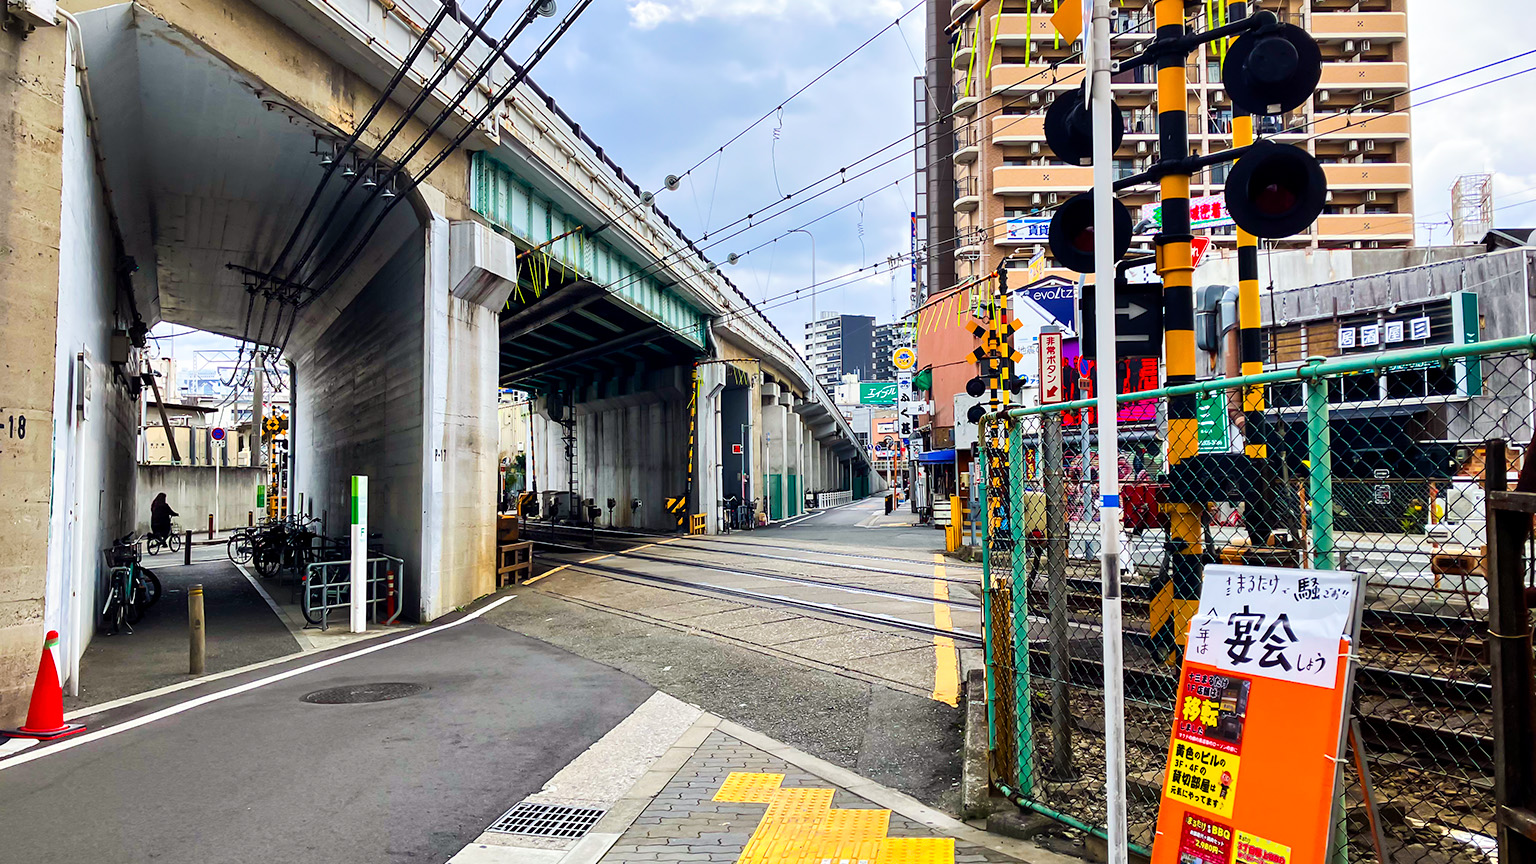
[
  {"x": 190, "y": 490},
  {"x": 31, "y": 138},
  {"x": 358, "y": 410},
  {"x": 93, "y": 450},
  {"x": 634, "y": 449}
]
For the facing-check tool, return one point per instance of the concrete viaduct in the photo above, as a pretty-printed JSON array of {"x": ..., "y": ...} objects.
[{"x": 151, "y": 150}]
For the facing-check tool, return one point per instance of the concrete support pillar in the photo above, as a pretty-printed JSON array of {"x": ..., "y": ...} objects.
[
  {"x": 773, "y": 489},
  {"x": 707, "y": 482},
  {"x": 798, "y": 431}
]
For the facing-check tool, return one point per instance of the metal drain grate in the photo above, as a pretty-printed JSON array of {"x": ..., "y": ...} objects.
[{"x": 547, "y": 820}]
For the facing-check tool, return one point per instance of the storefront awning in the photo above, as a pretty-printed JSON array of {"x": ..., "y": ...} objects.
[{"x": 937, "y": 456}]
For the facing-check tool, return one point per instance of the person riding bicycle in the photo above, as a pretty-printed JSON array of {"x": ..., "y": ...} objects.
[{"x": 160, "y": 514}]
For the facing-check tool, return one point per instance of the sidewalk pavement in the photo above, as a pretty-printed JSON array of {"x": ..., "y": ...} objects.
[{"x": 672, "y": 783}]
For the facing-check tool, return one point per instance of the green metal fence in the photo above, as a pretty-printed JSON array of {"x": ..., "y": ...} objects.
[{"x": 1326, "y": 473}]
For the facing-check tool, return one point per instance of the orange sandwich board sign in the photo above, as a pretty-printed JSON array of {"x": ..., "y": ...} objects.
[{"x": 1259, "y": 718}]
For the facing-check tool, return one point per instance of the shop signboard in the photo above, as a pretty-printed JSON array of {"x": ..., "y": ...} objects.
[{"x": 1258, "y": 718}]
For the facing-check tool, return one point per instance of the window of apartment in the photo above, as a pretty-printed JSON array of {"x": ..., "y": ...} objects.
[
  {"x": 1213, "y": 71},
  {"x": 1124, "y": 168}
]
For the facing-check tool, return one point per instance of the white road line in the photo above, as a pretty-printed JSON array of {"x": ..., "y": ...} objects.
[{"x": 172, "y": 710}]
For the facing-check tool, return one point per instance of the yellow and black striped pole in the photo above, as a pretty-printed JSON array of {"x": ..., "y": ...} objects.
[
  {"x": 1249, "y": 333},
  {"x": 1176, "y": 594}
]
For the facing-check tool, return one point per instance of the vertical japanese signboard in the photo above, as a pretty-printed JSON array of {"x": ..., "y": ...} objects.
[{"x": 1258, "y": 717}]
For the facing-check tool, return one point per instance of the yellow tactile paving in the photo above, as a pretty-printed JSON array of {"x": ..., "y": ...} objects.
[
  {"x": 800, "y": 827},
  {"x": 856, "y": 824},
  {"x": 747, "y": 788},
  {"x": 917, "y": 850}
]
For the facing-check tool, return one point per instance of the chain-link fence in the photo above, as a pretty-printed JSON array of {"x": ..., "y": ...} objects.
[{"x": 1376, "y": 469}]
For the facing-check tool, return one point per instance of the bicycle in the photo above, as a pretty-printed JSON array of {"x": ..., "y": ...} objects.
[
  {"x": 154, "y": 544},
  {"x": 239, "y": 545},
  {"x": 131, "y": 587}
]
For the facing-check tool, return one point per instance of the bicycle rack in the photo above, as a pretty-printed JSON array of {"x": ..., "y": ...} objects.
[{"x": 328, "y": 585}]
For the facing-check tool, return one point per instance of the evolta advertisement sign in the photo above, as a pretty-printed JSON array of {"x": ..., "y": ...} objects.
[{"x": 1258, "y": 719}]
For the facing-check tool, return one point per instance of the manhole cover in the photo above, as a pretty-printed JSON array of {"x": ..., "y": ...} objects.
[
  {"x": 353, "y": 694},
  {"x": 547, "y": 820}
]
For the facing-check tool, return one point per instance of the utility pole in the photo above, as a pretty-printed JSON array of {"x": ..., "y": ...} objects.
[
  {"x": 1108, "y": 418},
  {"x": 258, "y": 449}
]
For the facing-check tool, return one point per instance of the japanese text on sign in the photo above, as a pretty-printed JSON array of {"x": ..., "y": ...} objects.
[{"x": 1283, "y": 624}]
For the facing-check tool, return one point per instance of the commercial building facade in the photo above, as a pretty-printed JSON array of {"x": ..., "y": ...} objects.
[{"x": 838, "y": 345}]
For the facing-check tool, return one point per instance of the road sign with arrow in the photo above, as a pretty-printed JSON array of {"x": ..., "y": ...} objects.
[{"x": 1138, "y": 321}]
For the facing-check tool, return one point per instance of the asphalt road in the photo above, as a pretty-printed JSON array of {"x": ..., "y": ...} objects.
[
  {"x": 862, "y": 523},
  {"x": 241, "y": 629},
  {"x": 264, "y": 777}
]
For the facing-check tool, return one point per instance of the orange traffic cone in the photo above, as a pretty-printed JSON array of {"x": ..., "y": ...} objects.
[{"x": 45, "y": 716}]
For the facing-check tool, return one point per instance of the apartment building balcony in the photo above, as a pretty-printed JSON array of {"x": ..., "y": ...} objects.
[
  {"x": 968, "y": 241},
  {"x": 966, "y": 98},
  {"x": 1018, "y": 129},
  {"x": 1024, "y": 179},
  {"x": 967, "y": 193},
  {"x": 1017, "y": 78},
  {"x": 965, "y": 45},
  {"x": 1353, "y": 77},
  {"x": 1384, "y": 228},
  {"x": 1368, "y": 176},
  {"x": 1374, "y": 26},
  {"x": 1346, "y": 125},
  {"x": 967, "y": 147}
]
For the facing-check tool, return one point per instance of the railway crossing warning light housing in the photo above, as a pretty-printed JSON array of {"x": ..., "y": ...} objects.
[
  {"x": 1273, "y": 70},
  {"x": 975, "y": 387},
  {"x": 1274, "y": 190},
  {"x": 1072, "y": 233},
  {"x": 1069, "y": 128}
]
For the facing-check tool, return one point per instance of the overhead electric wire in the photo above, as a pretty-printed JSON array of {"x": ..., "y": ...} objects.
[
  {"x": 422, "y": 40},
  {"x": 471, "y": 81},
  {"x": 520, "y": 72}
]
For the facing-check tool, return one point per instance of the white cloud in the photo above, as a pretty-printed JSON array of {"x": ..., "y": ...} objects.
[{"x": 648, "y": 14}]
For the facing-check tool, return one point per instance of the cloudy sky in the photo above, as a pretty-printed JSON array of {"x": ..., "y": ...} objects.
[{"x": 662, "y": 84}]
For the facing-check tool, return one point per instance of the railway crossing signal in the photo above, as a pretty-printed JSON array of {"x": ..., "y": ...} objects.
[{"x": 1272, "y": 191}]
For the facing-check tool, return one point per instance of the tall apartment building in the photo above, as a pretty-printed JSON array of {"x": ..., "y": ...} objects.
[
  {"x": 838, "y": 345},
  {"x": 1006, "y": 180},
  {"x": 888, "y": 337}
]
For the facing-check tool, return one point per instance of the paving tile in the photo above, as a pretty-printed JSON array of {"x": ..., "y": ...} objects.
[{"x": 790, "y": 630}]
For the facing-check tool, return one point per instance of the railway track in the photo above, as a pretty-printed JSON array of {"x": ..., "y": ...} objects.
[
  {"x": 1386, "y": 691},
  {"x": 795, "y": 580},
  {"x": 967, "y": 637}
]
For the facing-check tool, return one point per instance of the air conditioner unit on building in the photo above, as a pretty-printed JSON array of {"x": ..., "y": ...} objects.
[
  {"x": 1371, "y": 195},
  {"x": 1369, "y": 145},
  {"x": 1053, "y": 198},
  {"x": 1354, "y": 146},
  {"x": 1035, "y": 199},
  {"x": 1329, "y": 197},
  {"x": 38, "y": 13},
  {"x": 1322, "y": 96},
  {"x": 1349, "y": 46},
  {"x": 1141, "y": 146},
  {"x": 1369, "y": 95},
  {"x": 1034, "y": 98},
  {"x": 1217, "y": 97},
  {"x": 1365, "y": 45},
  {"x": 1034, "y": 149}
]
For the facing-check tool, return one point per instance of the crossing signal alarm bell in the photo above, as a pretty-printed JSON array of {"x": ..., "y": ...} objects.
[
  {"x": 1272, "y": 71},
  {"x": 1072, "y": 232},
  {"x": 1069, "y": 128},
  {"x": 1273, "y": 191}
]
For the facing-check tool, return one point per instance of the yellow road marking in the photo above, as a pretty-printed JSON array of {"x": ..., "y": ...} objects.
[
  {"x": 946, "y": 671},
  {"x": 800, "y": 827}
]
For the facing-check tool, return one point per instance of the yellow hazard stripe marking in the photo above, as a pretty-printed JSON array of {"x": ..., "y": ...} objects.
[{"x": 946, "y": 670}]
